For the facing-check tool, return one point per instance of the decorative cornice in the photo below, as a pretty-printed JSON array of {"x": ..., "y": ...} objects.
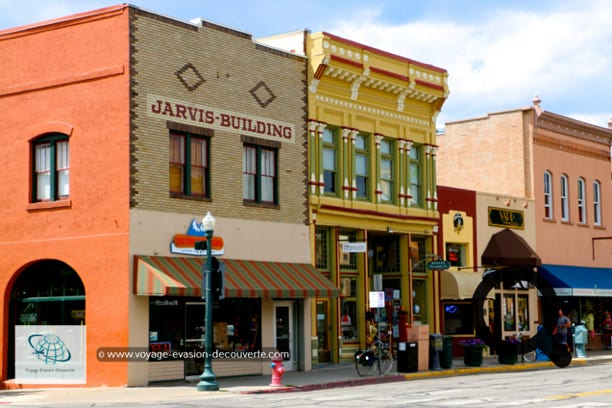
[
  {"x": 575, "y": 128},
  {"x": 372, "y": 110},
  {"x": 569, "y": 147}
]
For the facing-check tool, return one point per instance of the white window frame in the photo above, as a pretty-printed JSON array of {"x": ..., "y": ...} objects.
[
  {"x": 548, "y": 195},
  {"x": 597, "y": 203},
  {"x": 564, "y": 198},
  {"x": 582, "y": 216}
]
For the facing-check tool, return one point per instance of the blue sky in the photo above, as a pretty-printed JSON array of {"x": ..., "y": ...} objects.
[{"x": 498, "y": 54}]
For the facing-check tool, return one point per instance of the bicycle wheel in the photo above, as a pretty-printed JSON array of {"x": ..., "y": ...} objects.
[
  {"x": 530, "y": 357},
  {"x": 385, "y": 361},
  {"x": 365, "y": 363}
]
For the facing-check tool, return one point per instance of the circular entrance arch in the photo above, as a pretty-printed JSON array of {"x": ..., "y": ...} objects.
[{"x": 511, "y": 276}]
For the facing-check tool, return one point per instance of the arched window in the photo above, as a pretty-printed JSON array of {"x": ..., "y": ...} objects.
[
  {"x": 564, "y": 198},
  {"x": 47, "y": 293},
  {"x": 597, "y": 203},
  {"x": 548, "y": 198},
  {"x": 582, "y": 218}
]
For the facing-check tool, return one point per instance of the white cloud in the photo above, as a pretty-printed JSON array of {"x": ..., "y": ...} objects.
[{"x": 502, "y": 61}]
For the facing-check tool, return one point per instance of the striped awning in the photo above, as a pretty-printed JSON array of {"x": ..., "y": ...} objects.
[{"x": 182, "y": 276}]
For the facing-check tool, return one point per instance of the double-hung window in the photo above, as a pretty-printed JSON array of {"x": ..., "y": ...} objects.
[
  {"x": 259, "y": 174},
  {"x": 386, "y": 170},
  {"x": 582, "y": 219},
  {"x": 330, "y": 161},
  {"x": 597, "y": 203},
  {"x": 548, "y": 198},
  {"x": 564, "y": 198},
  {"x": 415, "y": 176},
  {"x": 189, "y": 170},
  {"x": 362, "y": 160},
  {"x": 51, "y": 161}
]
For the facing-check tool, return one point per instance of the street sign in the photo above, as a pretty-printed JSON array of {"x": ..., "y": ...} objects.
[{"x": 438, "y": 264}]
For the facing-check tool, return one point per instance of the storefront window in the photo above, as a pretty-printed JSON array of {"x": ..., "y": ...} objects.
[
  {"x": 348, "y": 261},
  {"x": 177, "y": 324},
  {"x": 508, "y": 312},
  {"x": 458, "y": 318},
  {"x": 523, "y": 312},
  {"x": 49, "y": 293},
  {"x": 455, "y": 254},
  {"x": 348, "y": 320},
  {"x": 321, "y": 248},
  {"x": 387, "y": 255},
  {"x": 419, "y": 300}
]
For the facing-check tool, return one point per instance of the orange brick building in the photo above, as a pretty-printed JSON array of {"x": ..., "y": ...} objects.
[{"x": 121, "y": 128}]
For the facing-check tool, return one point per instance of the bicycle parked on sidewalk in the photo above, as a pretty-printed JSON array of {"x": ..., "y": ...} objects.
[{"x": 377, "y": 359}]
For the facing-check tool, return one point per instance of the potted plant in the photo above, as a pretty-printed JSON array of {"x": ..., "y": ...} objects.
[
  {"x": 472, "y": 351},
  {"x": 507, "y": 350}
]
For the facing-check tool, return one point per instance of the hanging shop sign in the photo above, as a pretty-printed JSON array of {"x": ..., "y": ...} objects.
[
  {"x": 348, "y": 247},
  {"x": 438, "y": 264},
  {"x": 185, "y": 243}
]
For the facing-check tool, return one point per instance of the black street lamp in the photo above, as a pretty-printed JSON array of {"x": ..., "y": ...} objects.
[{"x": 207, "y": 379}]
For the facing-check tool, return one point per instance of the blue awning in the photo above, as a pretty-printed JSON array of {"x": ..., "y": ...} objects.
[{"x": 578, "y": 280}]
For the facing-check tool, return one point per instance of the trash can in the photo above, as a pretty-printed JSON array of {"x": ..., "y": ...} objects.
[
  {"x": 435, "y": 348},
  {"x": 446, "y": 358},
  {"x": 407, "y": 357},
  {"x": 580, "y": 339}
]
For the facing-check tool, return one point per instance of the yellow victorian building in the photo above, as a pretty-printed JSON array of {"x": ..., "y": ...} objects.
[{"x": 372, "y": 175}]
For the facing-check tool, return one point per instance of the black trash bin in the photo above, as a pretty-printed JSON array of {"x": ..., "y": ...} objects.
[
  {"x": 446, "y": 358},
  {"x": 407, "y": 357},
  {"x": 435, "y": 348}
]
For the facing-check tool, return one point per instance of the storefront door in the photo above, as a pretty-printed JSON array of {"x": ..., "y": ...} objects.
[
  {"x": 284, "y": 332},
  {"x": 194, "y": 336}
]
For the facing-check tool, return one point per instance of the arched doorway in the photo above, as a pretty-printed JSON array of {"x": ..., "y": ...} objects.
[{"x": 46, "y": 293}]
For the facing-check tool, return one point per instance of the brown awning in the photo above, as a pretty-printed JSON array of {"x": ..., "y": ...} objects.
[{"x": 507, "y": 248}]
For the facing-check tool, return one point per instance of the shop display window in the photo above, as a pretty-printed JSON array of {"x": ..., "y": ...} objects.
[
  {"x": 177, "y": 324},
  {"x": 458, "y": 318}
]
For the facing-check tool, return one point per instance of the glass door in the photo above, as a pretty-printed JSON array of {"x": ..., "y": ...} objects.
[
  {"x": 283, "y": 332},
  {"x": 323, "y": 327}
]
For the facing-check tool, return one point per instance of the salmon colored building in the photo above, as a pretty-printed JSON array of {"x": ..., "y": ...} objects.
[
  {"x": 120, "y": 130},
  {"x": 529, "y": 157}
]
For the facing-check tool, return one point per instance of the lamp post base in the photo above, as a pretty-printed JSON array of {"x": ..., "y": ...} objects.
[{"x": 207, "y": 382}]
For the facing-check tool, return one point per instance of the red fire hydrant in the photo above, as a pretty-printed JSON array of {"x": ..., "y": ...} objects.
[{"x": 277, "y": 372}]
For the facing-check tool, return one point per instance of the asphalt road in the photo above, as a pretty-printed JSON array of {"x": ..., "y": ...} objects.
[{"x": 582, "y": 386}]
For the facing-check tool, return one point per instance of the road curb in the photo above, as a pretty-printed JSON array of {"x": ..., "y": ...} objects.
[
  {"x": 424, "y": 374},
  {"x": 333, "y": 384}
]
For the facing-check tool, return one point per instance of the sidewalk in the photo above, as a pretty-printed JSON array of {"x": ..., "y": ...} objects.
[
  {"x": 345, "y": 375},
  {"x": 322, "y": 377}
]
